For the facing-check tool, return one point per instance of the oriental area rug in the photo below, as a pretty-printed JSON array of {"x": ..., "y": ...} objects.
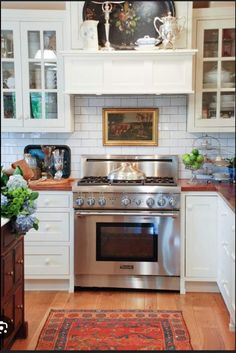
[{"x": 114, "y": 330}]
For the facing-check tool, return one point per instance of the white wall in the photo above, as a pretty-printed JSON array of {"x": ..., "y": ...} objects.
[{"x": 87, "y": 137}]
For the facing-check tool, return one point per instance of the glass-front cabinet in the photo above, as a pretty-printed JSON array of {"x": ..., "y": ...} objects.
[
  {"x": 11, "y": 95},
  {"x": 215, "y": 75},
  {"x": 32, "y": 89}
]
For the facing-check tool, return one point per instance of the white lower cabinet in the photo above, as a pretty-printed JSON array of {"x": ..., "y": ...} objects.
[
  {"x": 49, "y": 251},
  {"x": 226, "y": 258},
  {"x": 201, "y": 237},
  {"x": 208, "y": 247}
]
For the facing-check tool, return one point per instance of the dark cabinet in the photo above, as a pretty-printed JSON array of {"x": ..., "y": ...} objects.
[{"x": 12, "y": 285}]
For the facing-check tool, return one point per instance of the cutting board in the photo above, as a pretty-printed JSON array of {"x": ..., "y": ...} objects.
[{"x": 51, "y": 184}]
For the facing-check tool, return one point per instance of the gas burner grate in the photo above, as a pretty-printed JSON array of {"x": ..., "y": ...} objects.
[
  {"x": 160, "y": 181},
  {"x": 94, "y": 180},
  {"x": 102, "y": 180}
]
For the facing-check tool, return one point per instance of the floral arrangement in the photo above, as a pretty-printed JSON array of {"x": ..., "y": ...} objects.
[
  {"x": 18, "y": 202},
  {"x": 126, "y": 19}
]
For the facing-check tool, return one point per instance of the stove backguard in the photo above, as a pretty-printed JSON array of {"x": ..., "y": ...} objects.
[{"x": 151, "y": 165}]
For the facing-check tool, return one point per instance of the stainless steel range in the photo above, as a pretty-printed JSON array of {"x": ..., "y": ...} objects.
[{"x": 127, "y": 222}]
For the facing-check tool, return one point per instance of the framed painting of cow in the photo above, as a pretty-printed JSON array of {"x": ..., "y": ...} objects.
[{"x": 130, "y": 126}]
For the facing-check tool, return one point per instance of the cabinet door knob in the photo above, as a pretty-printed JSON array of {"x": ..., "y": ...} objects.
[
  {"x": 19, "y": 306},
  {"x": 11, "y": 273},
  {"x": 12, "y": 321},
  {"x": 20, "y": 261}
]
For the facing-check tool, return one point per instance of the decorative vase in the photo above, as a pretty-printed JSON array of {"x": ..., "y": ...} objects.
[{"x": 232, "y": 174}]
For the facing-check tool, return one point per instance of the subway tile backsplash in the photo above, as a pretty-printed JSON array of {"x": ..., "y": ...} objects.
[{"x": 87, "y": 137}]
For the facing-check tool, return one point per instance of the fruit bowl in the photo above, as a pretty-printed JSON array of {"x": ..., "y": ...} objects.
[
  {"x": 193, "y": 179},
  {"x": 193, "y": 161}
]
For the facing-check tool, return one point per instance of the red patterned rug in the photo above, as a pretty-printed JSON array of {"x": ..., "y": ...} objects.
[{"x": 114, "y": 330}]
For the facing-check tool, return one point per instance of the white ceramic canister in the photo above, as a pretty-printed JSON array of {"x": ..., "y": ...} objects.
[{"x": 89, "y": 34}]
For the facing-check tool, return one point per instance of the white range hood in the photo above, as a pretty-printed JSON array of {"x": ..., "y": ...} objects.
[{"x": 156, "y": 71}]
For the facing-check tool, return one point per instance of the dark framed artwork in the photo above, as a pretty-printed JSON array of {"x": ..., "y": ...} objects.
[
  {"x": 130, "y": 127},
  {"x": 129, "y": 21}
]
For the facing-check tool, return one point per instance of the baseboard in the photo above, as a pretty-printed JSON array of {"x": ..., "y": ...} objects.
[
  {"x": 201, "y": 287},
  {"x": 47, "y": 284}
]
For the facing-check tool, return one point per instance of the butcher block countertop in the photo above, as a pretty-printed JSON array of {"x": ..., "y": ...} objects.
[{"x": 226, "y": 191}]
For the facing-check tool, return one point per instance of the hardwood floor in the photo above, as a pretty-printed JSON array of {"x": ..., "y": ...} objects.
[{"x": 205, "y": 314}]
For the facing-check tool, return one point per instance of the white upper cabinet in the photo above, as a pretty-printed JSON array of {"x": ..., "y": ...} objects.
[
  {"x": 212, "y": 109},
  {"x": 32, "y": 73},
  {"x": 11, "y": 92}
]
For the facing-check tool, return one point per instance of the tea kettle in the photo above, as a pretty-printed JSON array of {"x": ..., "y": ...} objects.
[
  {"x": 89, "y": 34},
  {"x": 169, "y": 29}
]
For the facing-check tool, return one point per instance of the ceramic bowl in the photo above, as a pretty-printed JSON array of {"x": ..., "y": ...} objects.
[{"x": 146, "y": 40}]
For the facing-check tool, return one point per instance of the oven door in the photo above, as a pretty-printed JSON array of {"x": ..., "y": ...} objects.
[{"x": 130, "y": 243}]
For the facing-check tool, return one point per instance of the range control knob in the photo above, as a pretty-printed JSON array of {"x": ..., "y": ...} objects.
[
  {"x": 150, "y": 202},
  {"x": 172, "y": 201},
  {"x": 101, "y": 201},
  {"x": 161, "y": 201},
  {"x": 79, "y": 201},
  {"x": 125, "y": 201},
  {"x": 91, "y": 201}
]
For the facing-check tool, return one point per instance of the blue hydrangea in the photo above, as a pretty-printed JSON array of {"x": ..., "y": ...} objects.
[
  {"x": 4, "y": 200},
  {"x": 29, "y": 207},
  {"x": 16, "y": 181},
  {"x": 24, "y": 223}
]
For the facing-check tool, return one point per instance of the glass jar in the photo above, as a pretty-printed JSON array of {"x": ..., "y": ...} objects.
[{"x": 32, "y": 163}]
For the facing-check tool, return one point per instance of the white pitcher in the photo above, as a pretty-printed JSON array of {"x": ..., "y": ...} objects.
[{"x": 89, "y": 34}]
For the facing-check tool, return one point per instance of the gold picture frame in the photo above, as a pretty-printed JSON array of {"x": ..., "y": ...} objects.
[{"x": 130, "y": 126}]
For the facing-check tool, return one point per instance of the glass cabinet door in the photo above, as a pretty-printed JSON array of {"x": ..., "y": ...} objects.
[
  {"x": 11, "y": 101},
  {"x": 215, "y": 78},
  {"x": 41, "y": 85}
]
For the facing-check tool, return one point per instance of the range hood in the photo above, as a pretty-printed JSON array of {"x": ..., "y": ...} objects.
[{"x": 156, "y": 71}]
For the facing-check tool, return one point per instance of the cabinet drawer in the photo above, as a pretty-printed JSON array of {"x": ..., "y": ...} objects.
[
  {"x": 53, "y": 200},
  {"x": 19, "y": 261},
  {"x": 7, "y": 236},
  {"x": 8, "y": 273},
  {"x": 52, "y": 227},
  {"x": 46, "y": 260},
  {"x": 19, "y": 306}
]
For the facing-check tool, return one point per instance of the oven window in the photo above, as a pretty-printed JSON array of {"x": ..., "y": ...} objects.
[{"x": 126, "y": 242}]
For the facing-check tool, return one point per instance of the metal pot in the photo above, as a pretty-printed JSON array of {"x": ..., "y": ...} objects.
[{"x": 126, "y": 172}]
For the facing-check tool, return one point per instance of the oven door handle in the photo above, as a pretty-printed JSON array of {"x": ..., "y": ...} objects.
[{"x": 142, "y": 213}]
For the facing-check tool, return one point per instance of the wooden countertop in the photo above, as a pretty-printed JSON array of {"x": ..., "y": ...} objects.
[
  {"x": 51, "y": 184},
  {"x": 226, "y": 191}
]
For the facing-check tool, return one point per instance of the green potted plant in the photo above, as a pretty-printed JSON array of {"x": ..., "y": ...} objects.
[{"x": 18, "y": 202}]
